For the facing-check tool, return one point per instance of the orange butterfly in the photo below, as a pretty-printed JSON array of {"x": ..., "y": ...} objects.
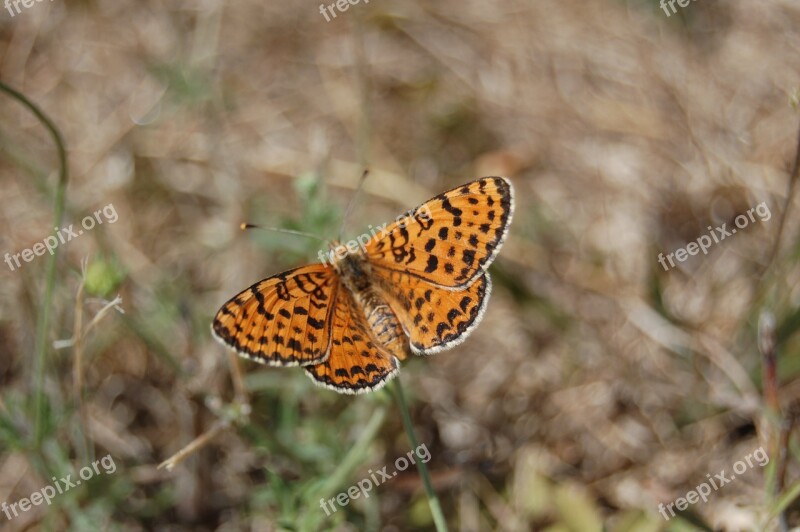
[{"x": 420, "y": 287}]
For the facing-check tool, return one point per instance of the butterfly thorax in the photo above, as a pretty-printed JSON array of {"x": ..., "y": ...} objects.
[{"x": 355, "y": 273}]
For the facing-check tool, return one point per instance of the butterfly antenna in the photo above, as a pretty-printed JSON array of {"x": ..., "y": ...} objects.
[
  {"x": 352, "y": 202},
  {"x": 245, "y": 226}
]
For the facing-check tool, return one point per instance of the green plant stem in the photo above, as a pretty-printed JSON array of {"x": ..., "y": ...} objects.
[
  {"x": 433, "y": 501},
  {"x": 43, "y": 319}
]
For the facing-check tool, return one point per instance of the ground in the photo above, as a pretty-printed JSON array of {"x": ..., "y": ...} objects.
[{"x": 634, "y": 346}]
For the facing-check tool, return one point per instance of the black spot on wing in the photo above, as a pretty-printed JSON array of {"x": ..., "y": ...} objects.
[
  {"x": 468, "y": 256},
  {"x": 433, "y": 263},
  {"x": 317, "y": 324},
  {"x": 455, "y": 211},
  {"x": 452, "y": 315}
]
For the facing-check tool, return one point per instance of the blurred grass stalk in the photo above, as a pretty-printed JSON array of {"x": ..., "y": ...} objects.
[
  {"x": 777, "y": 428},
  {"x": 433, "y": 501},
  {"x": 43, "y": 318},
  {"x": 778, "y": 425}
]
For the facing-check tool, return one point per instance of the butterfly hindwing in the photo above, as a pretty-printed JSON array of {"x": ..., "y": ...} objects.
[
  {"x": 283, "y": 320},
  {"x": 434, "y": 319},
  {"x": 450, "y": 239},
  {"x": 357, "y": 364}
]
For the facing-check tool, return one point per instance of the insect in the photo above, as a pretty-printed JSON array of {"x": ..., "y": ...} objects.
[{"x": 418, "y": 287}]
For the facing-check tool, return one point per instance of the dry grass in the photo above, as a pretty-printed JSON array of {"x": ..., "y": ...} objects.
[{"x": 598, "y": 386}]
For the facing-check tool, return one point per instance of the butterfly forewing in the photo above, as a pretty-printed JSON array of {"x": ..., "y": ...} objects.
[
  {"x": 283, "y": 320},
  {"x": 450, "y": 239},
  {"x": 356, "y": 363}
]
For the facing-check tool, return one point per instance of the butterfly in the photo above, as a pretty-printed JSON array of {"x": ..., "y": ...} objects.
[{"x": 419, "y": 287}]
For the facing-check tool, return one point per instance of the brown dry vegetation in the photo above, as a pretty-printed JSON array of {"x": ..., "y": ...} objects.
[{"x": 598, "y": 385}]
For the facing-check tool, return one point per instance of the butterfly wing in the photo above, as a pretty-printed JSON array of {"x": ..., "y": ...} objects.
[
  {"x": 434, "y": 319},
  {"x": 450, "y": 240},
  {"x": 284, "y": 320},
  {"x": 357, "y": 364},
  {"x": 431, "y": 267}
]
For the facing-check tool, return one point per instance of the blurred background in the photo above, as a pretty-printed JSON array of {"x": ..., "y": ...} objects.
[{"x": 598, "y": 386}]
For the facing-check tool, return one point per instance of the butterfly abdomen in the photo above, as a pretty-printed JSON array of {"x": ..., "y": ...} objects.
[
  {"x": 387, "y": 328},
  {"x": 383, "y": 323}
]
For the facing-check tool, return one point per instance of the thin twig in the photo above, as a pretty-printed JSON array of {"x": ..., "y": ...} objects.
[
  {"x": 196, "y": 444},
  {"x": 227, "y": 416},
  {"x": 238, "y": 379},
  {"x": 113, "y": 304},
  {"x": 77, "y": 338},
  {"x": 77, "y": 360}
]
